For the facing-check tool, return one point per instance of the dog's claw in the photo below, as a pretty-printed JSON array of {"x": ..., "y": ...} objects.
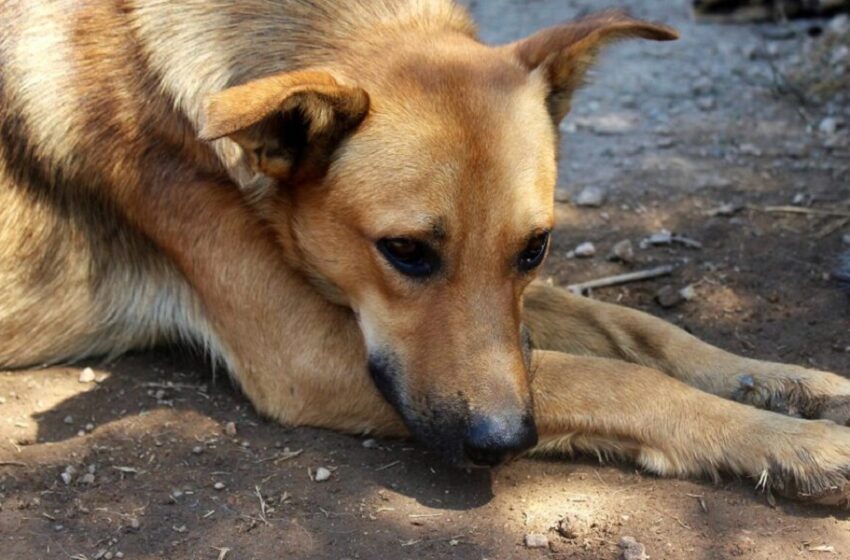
[{"x": 747, "y": 382}]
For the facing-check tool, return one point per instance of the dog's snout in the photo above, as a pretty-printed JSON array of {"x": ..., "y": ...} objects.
[{"x": 493, "y": 439}]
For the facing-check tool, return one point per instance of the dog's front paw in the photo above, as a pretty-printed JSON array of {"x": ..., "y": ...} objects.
[
  {"x": 796, "y": 391},
  {"x": 811, "y": 465}
]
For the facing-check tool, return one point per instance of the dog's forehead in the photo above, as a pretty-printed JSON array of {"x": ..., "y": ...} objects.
[{"x": 490, "y": 155}]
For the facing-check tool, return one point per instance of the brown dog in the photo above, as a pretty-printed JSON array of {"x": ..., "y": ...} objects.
[{"x": 356, "y": 234}]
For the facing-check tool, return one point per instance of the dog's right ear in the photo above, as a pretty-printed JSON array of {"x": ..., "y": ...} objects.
[{"x": 288, "y": 124}]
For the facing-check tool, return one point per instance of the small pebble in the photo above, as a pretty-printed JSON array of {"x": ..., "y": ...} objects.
[
  {"x": 230, "y": 428},
  {"x": 197, "y": 450},
  {"x": 632, "y": 550},
  {"x": 585, "y": 250},
  {"x": 668, "y": 297},
  {"x": 322, "y": 474},
  {"x": 219, "y": 486},
  {"x": 592, "y": 197},
  {"x": 623, "y": 251},
  {"x": 66, "y": 477},
  {"x": 87, "y": 375},
  {"x": 845, "y": 238},
  {"x": 536, "y": 540},
  {"x": 828, "y": 126},
  {"x": 572, "y": 526},
  {"x": 134, "y": 524},
  {"x": 89, "y": 427},
  {"x": 68, "y": 419},
  {"x": 370, "y": 443},
  {"x": 87, "y": 478}
]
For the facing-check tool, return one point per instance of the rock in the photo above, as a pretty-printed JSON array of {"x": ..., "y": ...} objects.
[
  {"x": 219, "y": 486},
  {"x": 632, "y": 550},
  {"x": 800, "y": 199},
  {"x": 322, "y": 474},
  {"x": 197, "y": 450},
  {"x": 592, "y": 196},
  {"x": 839, "y": 25},
  {"x": 68, "y": 419},
  {"x": 668, "y": 297},
  {"x": 665, "y": 142},
  {"x": 536, "y": 540},
  {"x": 572, "y": 526},
  {"x": 370, "y": 443},
  {"x": 87, "y": 375},
  {"x": 230, "y": 428},
  {"x": 663, "y": 237},
  {"x": 89, "y": 427},
  {"x": 829, "y": 126},
  {"x": 623, "y": 251},
  {"x": 688, "y": 293},
  {"x": 87, "y": 478},
  {"x": 66, "y": 477},
  {"x": 845, "y": 238},
  {"x": 134, "y": 524},
  {"x": 585, "y": 250}
]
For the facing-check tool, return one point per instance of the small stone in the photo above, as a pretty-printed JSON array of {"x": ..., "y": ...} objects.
[
  {"x": 87, "y": 478},
  {"x": 592, "y": 197},
  {"x": 230, "y": 428},
  {"x": 219, "y": 486},
  {"x": 839, "y": 25},
  {"x": 108, "y": 556},
  {"x": 665, "y": 142},
  {"x": 2, "y": 400},
  {"x": 68, "y": 419},
  {"x": 799, "y": 199},
  {"x": 536, "y": 540},
  {"x": 197, "y": 450},
  {"x": 845, "y": 238},
  {"x": 66, "y": 477},
  {"x": 134, "y": 524},
  {"x": 572, "y": 526},
  {"x": 688, "y": 293},
  {"x": 322, "y": 474},
  {"x": 828, "y": 126},
  {"x": 668, "y": 297},
  {"x": 632, "y": 550},
  {"x": 623, "y": 251},
  {"x": 119, "y": 554},
  {"x": 89, "y": 427},
  {"x": 87, "y": 375},
  {"x": 585, "y": 250},
  {"x": 370, "y": 443}
]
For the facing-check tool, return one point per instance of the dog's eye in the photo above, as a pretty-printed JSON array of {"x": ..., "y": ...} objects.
[
  {"x": 410, "y": 257},
  {"x": 531, "y": 257}
]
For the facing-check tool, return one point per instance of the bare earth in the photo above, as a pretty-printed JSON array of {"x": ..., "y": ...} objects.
[{"x": 672, "y": 131}]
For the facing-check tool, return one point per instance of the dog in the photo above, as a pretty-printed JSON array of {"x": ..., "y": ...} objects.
[{"x": 346, "y": 202}]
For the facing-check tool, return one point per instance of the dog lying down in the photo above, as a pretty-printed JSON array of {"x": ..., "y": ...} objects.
[{"x": 346, "y": 203}]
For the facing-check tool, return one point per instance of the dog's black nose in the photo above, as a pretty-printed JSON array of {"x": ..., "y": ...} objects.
[{"x": 493, "y": 439}]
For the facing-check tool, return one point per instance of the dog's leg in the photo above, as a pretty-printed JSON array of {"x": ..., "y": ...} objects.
[
  {"x": 609, "y": 407},
  {"x": 568, "y": 323}
]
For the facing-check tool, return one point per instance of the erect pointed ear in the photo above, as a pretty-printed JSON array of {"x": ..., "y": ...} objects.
[
  {"x": 288, "y": 124},
  {"x": 565, "y": 52}
]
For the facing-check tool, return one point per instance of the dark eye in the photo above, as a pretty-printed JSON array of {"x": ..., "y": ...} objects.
[
  {"x": 531, "y": 257},
  {"x": 410, "y": 257}
]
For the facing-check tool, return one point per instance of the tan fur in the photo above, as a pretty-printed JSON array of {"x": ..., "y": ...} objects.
[{"x": 333, "y": 125}]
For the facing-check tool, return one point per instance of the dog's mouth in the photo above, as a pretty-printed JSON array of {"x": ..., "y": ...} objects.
[{"x": 448, "y": 428}]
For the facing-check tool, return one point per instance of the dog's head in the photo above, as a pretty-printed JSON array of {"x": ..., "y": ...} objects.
[{"x": 416, "y": 187}]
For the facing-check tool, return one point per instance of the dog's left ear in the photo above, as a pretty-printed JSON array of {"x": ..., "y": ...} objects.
[
  {"x": 565, "y": 52},
  {"x": 288, "y": 124}
]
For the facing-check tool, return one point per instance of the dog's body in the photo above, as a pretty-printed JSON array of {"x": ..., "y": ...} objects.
[{"x": 285, "y": 245}]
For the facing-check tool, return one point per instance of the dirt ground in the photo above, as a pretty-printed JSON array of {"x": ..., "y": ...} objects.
[{"x": 671, "y": 132}]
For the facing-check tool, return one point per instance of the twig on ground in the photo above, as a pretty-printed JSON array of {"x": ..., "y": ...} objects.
[
  {"x": 802, "y": 210},
  {"x": 618, "y": 279}
]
